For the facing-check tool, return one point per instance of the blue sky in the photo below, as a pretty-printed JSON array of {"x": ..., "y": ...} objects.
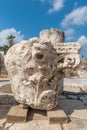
[{"x": 26, "y": 18}]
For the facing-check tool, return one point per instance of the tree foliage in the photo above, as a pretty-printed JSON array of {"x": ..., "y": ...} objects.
[
  {"x": 4, "y": 48},
  {"x": 10, "y": 37}
]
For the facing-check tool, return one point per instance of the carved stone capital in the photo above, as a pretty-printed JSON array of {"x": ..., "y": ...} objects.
[{"x": 36, "y": 67}]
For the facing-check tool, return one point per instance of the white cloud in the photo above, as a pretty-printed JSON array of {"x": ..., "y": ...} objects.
[
  {"x": 56, "y": 5},
  {"x": 5, "y": 33},
  {"x": 69, "y": 34},
  {"x": 77, "y": 17},
  {"x": 83, "y": 41}
]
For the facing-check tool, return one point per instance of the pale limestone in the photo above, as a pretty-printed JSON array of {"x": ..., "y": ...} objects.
[
  {"x": 17, "y": 115},
  {"x": 80, "y": 114},
  {"x": 36, "y": 68},
  {"x": 57, "y": 117},
  {"x": 75, "y": 125},
  {"x": 33, "y": 125}
]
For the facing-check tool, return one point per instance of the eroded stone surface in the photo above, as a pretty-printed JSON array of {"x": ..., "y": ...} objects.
[
  {"x": 79, "y": 114},
  {"x": 33, "y": 125},
  {"x": 37, "y": 66},
  {"x": 75, "y": 125}
]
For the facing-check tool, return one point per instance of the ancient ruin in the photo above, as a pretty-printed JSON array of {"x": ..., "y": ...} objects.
[
  {"x": 37, "y": 66},
  {"x": 3, "y": 71}
]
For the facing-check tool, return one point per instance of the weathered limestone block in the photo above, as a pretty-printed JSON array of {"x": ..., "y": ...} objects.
[{"x": 36, "y": 67}]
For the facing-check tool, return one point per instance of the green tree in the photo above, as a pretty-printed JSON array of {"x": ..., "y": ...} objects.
[
  {"x": 4, "y": 48},
  {"x": 11, "y": 40}
]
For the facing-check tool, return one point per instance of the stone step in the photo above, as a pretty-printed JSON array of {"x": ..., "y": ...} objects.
[
  {"x": 17, "y": 114},
  {"x": 57, "y": 116}
]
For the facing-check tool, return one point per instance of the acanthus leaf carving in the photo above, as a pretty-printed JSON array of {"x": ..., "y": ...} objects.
[{"x": 36, "y": 67}]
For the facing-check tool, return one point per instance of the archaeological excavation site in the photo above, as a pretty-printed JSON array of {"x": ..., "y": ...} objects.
[{"x": 43, "y": 84}]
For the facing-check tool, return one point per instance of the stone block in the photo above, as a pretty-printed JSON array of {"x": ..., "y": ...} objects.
[
  {"x": 17, "y": 115},
  {"x": 58, "y": 116}
]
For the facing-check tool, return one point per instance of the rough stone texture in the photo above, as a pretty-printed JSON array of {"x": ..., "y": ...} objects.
[
  {"x": 17, "y": 115},
  {"x": 57, "y": 117},
  {"x": 37, "y": 66},
  {"x": 75, "y": 124},
  {"x": 79, "y": 114},
  {"x": 38, "y": 119},
  {"x": 3, "y": 71},
  {"x": 33, "y": 125}
]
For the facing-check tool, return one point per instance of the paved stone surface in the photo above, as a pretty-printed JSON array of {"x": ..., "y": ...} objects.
[
  {"x": 57, "y": 116},
  {"x": 44, "y": 125},
  {"x": 33, "y": 125},
  {"x": 75, "y": 125},
  {"x": 80, "y": 114},
  {"x": 69, "y": 105},
  {"x": 7, "y": 99},
  {"x": 40, "y": 122},
  {"x": 39, "y": 115},
  {"x": 3, "y": 115},
  {"x": 5, "y": 88}
]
